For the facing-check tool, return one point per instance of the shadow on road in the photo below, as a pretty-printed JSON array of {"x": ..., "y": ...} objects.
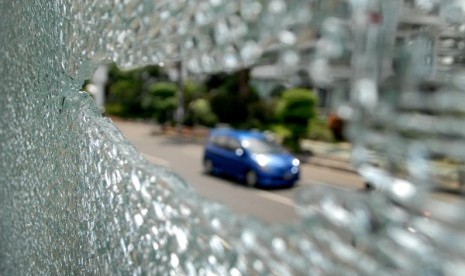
[{"x": 234, "y": 181}]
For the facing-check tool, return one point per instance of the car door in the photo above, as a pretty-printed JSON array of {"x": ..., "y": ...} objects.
[
  {"x": 217, "y": 152},
  {"x": 236, "y": 161}
]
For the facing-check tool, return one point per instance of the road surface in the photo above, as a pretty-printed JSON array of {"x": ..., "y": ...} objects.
[{"x": 184, "y": 156}]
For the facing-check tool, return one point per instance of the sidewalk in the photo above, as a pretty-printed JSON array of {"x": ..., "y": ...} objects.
[{"x": 330, "y": 155}]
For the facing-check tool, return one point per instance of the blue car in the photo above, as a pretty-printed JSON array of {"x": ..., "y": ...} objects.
[{"x": 250, "y": 156}]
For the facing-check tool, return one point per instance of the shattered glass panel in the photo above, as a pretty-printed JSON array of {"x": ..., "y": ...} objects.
[{"x": 77, "y": 198}]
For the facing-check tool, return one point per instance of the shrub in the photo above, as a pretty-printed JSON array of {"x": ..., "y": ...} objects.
[
  {"x": 116, "y": 109},
  {"x": 319, "y": 130},
  {"x": 162, "y": 101},
  {"x": 124, "y": 94},
  {"x": 127, "y": 90},
  {"x": 202, "y": 113},
  {"x": 296, "y": 108}
]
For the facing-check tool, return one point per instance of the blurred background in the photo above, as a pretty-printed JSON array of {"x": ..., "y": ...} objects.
[
  {"x": 249, "y": 98},
  {"x": 167, "y": 115}
]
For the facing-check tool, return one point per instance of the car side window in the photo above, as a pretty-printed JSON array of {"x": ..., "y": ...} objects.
[
  {"x": 221, "y": 141},
  {"x": 233, "y": 144},
  {"x": 224, "y": 142},
  {"x": 213, "y": 139}
]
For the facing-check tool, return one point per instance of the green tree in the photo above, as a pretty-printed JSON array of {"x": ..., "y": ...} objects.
[
  {"x": 127, "y": 90},
  {"x": 124, "y": 99},
  {"x": 162, "y": 101},
  {"x": 192, "y": 91},
  {"x": 297, "y": 106},
  {"x": 229, "y": 107},
  {"x": 234, "y": 101},
  {"x": 202, "y": 113}
]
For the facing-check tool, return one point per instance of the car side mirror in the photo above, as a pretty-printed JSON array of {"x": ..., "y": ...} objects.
[{"x": 239, "y": 152}]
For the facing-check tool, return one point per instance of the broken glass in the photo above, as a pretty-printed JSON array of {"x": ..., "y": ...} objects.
[{"x": 77, "y": 198}]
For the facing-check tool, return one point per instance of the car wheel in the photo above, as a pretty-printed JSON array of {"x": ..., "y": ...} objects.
[
  {"x": 208, "y": 166},
  {"x": 251, "y": 178}
]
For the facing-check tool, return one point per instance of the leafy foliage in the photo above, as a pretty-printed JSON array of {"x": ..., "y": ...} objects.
[
  {"x": 126, "y": 91},
  {"x": 295, "y": 109},
  {"x": 221, "y": 98},
  {"x": 318, "y": 130},
  {"x": 229, "y": 107},
  {"x": 202, "y": 113},
  {"x": 162, "y": 101},
  {"x": 125, "y": 97},
  {"x": 236, "y": 102}
]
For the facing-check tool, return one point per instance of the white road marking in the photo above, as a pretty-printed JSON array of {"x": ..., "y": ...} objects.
[
  {"x": 277, "y": 198},
  {"x": 156, "y": 160}
]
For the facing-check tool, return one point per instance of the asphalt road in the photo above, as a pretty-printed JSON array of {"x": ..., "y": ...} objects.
[{"x": 183, "y": 156}]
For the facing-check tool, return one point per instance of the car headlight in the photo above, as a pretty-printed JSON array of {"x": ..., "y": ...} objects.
[
  {"x": 294, "y": 170},
  {"x": 295, "y": 162},
  {"x": 263, "y": 161}
]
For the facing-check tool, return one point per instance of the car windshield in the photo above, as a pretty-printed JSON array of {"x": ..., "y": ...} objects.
[{"x": 261, "y": 146}]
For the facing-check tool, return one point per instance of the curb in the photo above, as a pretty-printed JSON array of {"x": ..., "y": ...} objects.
[{"x": 329, "y": 163}]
